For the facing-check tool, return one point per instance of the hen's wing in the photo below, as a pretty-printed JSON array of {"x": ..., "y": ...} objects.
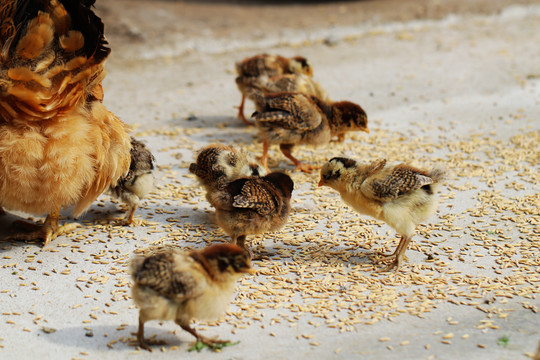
[
  {"x": 293, "y": 111},
  {"x": 389, "y": 185},
  {"x": 257, "y": 195},
  {"x": 52, "y": 55},
  {"x": 157, "y": 273}
]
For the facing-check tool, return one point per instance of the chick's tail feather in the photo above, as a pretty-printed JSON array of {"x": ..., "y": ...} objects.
[{"x": 438, "y": 174}]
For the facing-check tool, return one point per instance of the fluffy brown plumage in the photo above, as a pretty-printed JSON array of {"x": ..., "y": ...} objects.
[
  {"x": 251, "y": 69},
  {"x": 289, "y": 119},
  {"x": 249, "y": 206},
  {"x": 59, "y": 146},
  {"x": 400, "y": 195},
  {"x": 139, "y": 180},
  {"x": 216, "y": 165},
  {"x": 179, "y": 286}
]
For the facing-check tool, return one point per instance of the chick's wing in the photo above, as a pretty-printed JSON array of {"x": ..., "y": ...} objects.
[
  {"x": 293, "y": 111},
  {"x": 256, "y": 195},
  {"x": 389, "y": 185},
  {"x": 158, "y": 273}
]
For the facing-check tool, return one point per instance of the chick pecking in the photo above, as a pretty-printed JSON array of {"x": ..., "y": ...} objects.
[{"x": 400, "y": 195}]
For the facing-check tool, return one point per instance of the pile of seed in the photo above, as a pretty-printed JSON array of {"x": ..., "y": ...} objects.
[{"x": 322, "y": 267}]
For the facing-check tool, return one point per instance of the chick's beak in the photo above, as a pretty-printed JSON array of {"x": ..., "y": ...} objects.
[
  {"x": 365, "y": 130},
  {"x": 321, "y": 182}
]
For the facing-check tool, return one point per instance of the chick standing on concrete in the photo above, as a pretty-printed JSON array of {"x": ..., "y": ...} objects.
[
  {"x": 400, "y": 195},
  {"x": 284, "y": 82},
  {"x": 138, "y": 182},
  {"x": 289, "y": 118},
  {"x": 250, "y": 206},
  {"x": 251, "y": 68},
  {"x": 174, "y": 285},
  {"x": 217, "y": 164}
]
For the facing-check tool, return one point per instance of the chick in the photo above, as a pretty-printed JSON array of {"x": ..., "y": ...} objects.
[
  {"x": 289, "y": 119},
  {"x": 251, "y": 68},
  {"x": 249, "y": 206},
  {"x": 218, "y": 164},
  {"x": 59, "y": 145},
  {"x": 400, "y": 195},
  {"x": 138, "y": 182},
  {"x": 285, "y": 82},
  {"x": 173, "y": 285}
]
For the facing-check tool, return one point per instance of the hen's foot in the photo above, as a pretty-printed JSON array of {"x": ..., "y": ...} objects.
[{"x": 40, "y": 232}]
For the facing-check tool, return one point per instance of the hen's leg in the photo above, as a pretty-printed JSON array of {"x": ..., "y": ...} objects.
[
  {"x": 241, "y": 111},
  {"x": 47, "y": 231},
  {"x": 286, "y": 150}
]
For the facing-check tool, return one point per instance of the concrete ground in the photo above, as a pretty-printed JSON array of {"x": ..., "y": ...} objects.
[{"x": 450, "y": 83}]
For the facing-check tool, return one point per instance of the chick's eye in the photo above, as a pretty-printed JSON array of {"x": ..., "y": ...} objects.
[
  {"x": 326, "y": 176},
  {"x": 222, "y": 264}
]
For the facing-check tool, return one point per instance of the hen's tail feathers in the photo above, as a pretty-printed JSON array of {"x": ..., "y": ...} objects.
[{"x": 51, "y": 57}]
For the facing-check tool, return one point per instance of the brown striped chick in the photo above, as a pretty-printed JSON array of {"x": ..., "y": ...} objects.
[
  {"x": 218, "y": 164},
  {"x": 180, "y": 286},
  {"x": 59, "y": 145},
  {"x": 251, "y": 68},
  {"x": 249, "y": 206},
  {"x": 400, "y": 195},
  {"x": 286, "y": 82},
  {"x": 138, "y": 182},
  {"x": 290, "y": 119}
]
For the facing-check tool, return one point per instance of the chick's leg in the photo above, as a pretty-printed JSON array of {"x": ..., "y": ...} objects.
[
  {"x": 143, "y": 343},
  {"x": 398, "y": 254},
  {"x": 2, "y": 212},
  {"x": 128, "y": 220},
  {"x": 241, "y": 111},
  {"x": 47, "y": 231},
  {"x": 286, "y": 150},
  {"x": 204, "y": 340},
  {"x": 264, "y": 158}
]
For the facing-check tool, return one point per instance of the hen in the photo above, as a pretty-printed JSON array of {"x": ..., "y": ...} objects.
[
  {"x": 251, "y": 69},
  {"x": 139, "y": 180},
  {"x": 179, "y": 286},
  {"x": 249, "y": 206},
  {"x": 400, "y": 195},
  {"x": 289, "y": 119},
  {"x": 59, "y": 145}
]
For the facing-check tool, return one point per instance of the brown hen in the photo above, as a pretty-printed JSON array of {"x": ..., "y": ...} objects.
[{"x": 59, "y": 145}]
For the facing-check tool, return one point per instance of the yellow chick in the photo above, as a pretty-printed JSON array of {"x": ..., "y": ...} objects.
[
  {"x": 400, "y": 195},
  {"x": 180, "y": 286}
]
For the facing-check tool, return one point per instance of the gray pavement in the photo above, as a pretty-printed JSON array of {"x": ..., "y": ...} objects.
[{"x": 462, "y": 91}]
